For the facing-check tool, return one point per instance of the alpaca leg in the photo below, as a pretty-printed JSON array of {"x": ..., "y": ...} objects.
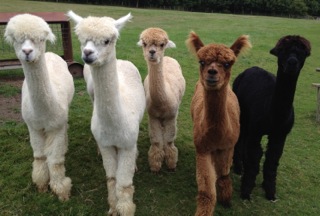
[
  {"x": 109, "y": 157},
  {"x": 251, "y": 167},
  {"x": 206, "y": 179},
  {"x": 238, "y": 155},
  {"x": 124, "y": 186},
  {"x": 223, "y": 162},
  {"x": 170, "y": 150},
  {"x": 56, "y": 147},
  {"x": 40, "y": 171},
  {"x": 156, "y": 153},
  {"x": 270, "y": 167}
]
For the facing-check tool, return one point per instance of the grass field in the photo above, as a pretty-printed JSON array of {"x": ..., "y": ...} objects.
[{"x": 168, "y": 193}]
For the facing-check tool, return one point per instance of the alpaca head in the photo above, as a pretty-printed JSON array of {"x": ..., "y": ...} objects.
[
  {"x": 292, "y": 51},
  {"x": 216, "y": 60},
  {"x": 98, "y": 36},
  {"x": 28, "y": 34},
  {"x": 154, "y": 41}
]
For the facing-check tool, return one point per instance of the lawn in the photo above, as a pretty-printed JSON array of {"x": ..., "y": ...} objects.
[{"x": 167, "y": 193}]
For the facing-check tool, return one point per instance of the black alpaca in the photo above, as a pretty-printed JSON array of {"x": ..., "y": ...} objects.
[{"x": 266, "y": 104}]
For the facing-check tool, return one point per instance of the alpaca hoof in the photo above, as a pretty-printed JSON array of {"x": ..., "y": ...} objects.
[
  {"x": 112, "y": 212},
  {"x": 126, "y": 208},
  {"x": 155, "y": 169},
  {"x": 64, "y": 197},
  {"x": 271, "y": 197},
  {"x": 42, "y": 189},
  {"x": 62, "y": 189},
  {"x": 171, "y": 167},
  {"x": 155, "y": 172},
  {"x": 270, "y": 191},
  {"x": 171, "y": 170}
]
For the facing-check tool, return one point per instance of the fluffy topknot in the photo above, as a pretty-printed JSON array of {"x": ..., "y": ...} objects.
[{"x": 27, "y": 26}]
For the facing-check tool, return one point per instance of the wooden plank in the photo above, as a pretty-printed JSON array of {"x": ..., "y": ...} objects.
[
  {"x": 50, "y": 17},
  {"x": 317, "y": 85}
]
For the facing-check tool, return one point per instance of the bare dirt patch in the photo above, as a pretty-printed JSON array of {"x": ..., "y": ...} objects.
[{"x": 10, "y": 107}]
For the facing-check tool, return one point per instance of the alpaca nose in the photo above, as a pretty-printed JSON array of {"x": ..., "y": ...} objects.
[
  {"x": 212, "y": 72},
  {"x": 292, "y": 61},
  {"x": 87, "y": 52},
  {"x": 27, "y": 51},
  {"x": 152, "y": 52}
]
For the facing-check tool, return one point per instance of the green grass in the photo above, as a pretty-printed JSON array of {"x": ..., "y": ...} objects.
[
  {"x": 8, "y": 90},
  {"x": 169, "y": 193}
]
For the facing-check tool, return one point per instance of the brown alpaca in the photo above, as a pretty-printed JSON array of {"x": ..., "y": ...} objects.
[{"x": 215, "y": 113}]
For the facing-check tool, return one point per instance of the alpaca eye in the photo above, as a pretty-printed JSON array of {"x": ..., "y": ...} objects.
[
  {"x": 106, "y": 42},
  {"x": 162, "y": 45},
  {"x": 201, "y": 63},
  {"x": 144, "y": 44},
  {"x": 226, "y": 65}
]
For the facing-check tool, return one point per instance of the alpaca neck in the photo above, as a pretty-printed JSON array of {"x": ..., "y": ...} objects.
[
  {"x": 284, "y": 95},
  {"x": 215, "y": 109},
  {"x": 40, "y": 90},
  {"x": 157, "y": 88},
  {"x": 106, "y": 90}
]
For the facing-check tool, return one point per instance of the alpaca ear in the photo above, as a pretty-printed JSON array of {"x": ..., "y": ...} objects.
[
  {"x": 274, "y": 51},
  {"x": 9, "y": 35},
  {"x": 139, "y": 43},
  {"x": 307, "y": 45},
  {"x": 194, "y": 43},
  {"x": 8, "y": 38},
  {"x": 76, "y": 18},
  {"x": 170, "y": 44},
  {"x": 51, "y": 37},
  {"x": 241, "y": 44},
  {"x": 120, "y": 23}
]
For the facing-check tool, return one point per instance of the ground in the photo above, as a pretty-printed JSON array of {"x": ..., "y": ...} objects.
[{"x": 10, "y": 106}]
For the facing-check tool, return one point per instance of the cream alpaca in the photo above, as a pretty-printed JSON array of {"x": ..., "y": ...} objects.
[
  {"x": 118, "y": 106},
  {"x": 164, "y": 86},
  {"x": 47, "y": 92}
]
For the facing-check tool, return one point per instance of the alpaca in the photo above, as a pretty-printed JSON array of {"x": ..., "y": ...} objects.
[
  {"x": 118, "y": 106},
  {"x": 164, "y": 86},
  {"x": 266, "y": 104},
  {"x": 215, "y": 113},
  {"x": 47, "y": 92}
]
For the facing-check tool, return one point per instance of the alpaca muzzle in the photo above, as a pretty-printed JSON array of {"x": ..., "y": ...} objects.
[
  {"x": 212, "y": 77},
  {"x": 292, "y": 64}
]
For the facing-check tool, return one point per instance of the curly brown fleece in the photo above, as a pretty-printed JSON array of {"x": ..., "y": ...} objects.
[{"x": 215, "y": 113}]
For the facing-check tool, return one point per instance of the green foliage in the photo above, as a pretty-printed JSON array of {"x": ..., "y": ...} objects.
[
  {"x": 292, "y": 8},
  {"x": 169, "y": 193}
]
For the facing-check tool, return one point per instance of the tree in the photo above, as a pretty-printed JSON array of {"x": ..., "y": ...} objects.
[{"x": 298, "y": 8}]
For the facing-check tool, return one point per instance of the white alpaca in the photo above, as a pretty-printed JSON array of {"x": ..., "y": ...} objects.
[
  {"x": 164, "y": 87},
  {"x": 118, "y": 106},
  {"x": 47, "y": 92}
]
